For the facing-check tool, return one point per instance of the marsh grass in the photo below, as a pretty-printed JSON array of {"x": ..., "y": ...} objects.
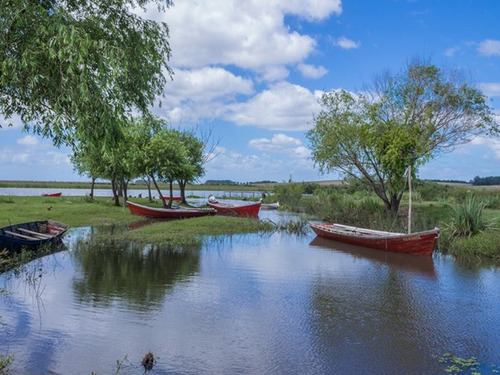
[{"x": 467, "y": 218}]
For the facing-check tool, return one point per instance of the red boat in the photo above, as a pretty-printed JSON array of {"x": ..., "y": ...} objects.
[
  {"x": 168, "y": 213},
  {"x": 250, "y": 209},
  {"x": 52, "y": 194},
  {"x": 418, "y": 243},
  {"x": 173, "y": 198}
]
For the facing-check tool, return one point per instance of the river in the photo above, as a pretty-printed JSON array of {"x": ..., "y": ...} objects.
[{"x": 248, "y": 304}]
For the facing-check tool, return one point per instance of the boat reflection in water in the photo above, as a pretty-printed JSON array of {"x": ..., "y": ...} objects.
[{"x": 406, "y": 262}]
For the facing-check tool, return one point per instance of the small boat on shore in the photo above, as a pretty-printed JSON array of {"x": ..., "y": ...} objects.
[
  {"x": 249, "y": 209},
  {"x": 168, "y": 213},
  {"x": 31, "y": 235},
  {"x": 52, "y": 194},
  {"x": 270, "y": 206},
  {"x": 173, "y": 198},
  {"x": 418, "y": 243}
]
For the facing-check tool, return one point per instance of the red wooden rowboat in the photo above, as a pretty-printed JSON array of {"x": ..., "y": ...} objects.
[
  {"x": 52, "y": 194},
  {"x": 173, "y": 198},
  {"x": 250, "y": 209},
  {"x": 418, "y": 243},
  {"x": 168, "y": 213}
]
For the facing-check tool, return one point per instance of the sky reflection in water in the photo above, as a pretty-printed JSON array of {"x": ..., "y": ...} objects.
[{"x": 246, "y": 304}]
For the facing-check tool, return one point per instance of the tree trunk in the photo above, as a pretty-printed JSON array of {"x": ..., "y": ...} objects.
[
  {"x": 159, "y": 191},
  {"x": 114, "y": 187},
  {"x": 171, "y": 191},
  {"x": 148, "y": 184},
  {"x": 182, "y": 188},
  {"x": 124, "y": 184},
  {"x": 92, "y": 189}
]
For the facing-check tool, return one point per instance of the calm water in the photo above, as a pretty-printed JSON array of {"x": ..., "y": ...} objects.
[
  {"x": 248, "y": 304},
  {"x": 133, "y": 192}
]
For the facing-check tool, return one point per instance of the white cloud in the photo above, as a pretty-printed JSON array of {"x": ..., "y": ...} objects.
[
  {"x": 450, "y": 52},
  {"x": 274, "y": 73},
  {"x": 311, "y": 71},
  {"x": 14, "y": 121},
  {"x": 250, "y": 34},
  {"x": 489, "y": 47},
  {"x": 345, "y": 43},
  {"x": 282, "y": 144},
  {"x": 201, "y": 93},
  {"x": 283, "y": 106},
  {"x": 491, "y": 143},
  {"x": 29, "y": 140},
  {"x": 277, "y": 143},
  {"x": 490, "y": 89}
]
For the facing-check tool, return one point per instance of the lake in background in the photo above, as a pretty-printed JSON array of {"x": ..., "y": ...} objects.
[
  {"x": 132, "y": 192},
  {"x": 248, "y": 304}
]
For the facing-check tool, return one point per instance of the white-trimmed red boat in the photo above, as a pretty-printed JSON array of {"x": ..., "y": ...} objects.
[
  {"x": 52, "y": 194},
  {"x": 168, "y": 213},
  {"x": 418, "y": 243},
  {"x": 249, "y": 209}
]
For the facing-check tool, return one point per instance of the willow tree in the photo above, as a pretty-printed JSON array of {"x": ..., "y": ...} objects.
[
  {"x": 73, "y": 69},
  {"x": 403, "y": 121}
]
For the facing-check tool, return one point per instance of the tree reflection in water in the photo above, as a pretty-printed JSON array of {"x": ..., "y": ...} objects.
[{"x": 135, "y": 274}]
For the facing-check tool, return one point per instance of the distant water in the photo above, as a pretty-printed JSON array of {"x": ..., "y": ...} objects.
[
  {"x": 246, "y": 304},
  {"x": 132, "y": 192}
]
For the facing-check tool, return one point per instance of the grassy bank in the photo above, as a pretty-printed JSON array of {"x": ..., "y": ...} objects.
[
  {"x": 80, "y": 211},
  {"x": 467, "y": 231}
]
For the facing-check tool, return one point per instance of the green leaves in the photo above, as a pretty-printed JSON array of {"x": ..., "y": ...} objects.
[
  {"x": 71, "y": 69},
  {"x": 404, "y": 121}
]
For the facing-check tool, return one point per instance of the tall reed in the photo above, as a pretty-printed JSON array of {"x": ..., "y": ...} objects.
[{"x": 467, "y": 218}]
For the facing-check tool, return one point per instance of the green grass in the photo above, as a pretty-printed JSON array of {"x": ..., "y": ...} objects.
[
  {"x": 190, "y": 230},
  {"x": 74, "y": 211}
]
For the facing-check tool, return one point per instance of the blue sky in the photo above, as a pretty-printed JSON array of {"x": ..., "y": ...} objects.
[{"x": 252, "y": 72}]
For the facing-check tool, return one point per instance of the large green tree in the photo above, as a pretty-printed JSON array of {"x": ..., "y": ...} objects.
[
  {"x": 398, "y": 124},
  {"x": 73, "y": 69}
]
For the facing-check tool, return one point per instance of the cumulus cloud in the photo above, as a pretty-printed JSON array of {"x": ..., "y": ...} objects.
[
  {"x": 282, "y": 144},
  {"x": 311, "y": 71},
  {"x": 489, "y": 47},
  {"x": 29, "y": 140},
  {"x": 250, "y": 34},
  {"x": 345, "y": 43},
  {"x": 490, "y": 89},
  {"x": 491, "y": 143},
  {"x": 201, "y": 93},
  {"x": 277, "y": 143},
  {"x": 284, "y": 106}
]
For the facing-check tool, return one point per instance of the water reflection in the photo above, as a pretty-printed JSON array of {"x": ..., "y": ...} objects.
[
  {"x": 274, "y": 304},
  {"x": 405, "y": 262},
  {"x": 136, "y": 274}
]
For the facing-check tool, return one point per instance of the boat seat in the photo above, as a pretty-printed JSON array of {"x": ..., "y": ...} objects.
[
  {"x": 30, "y": 232},
  {"x": 14, "y": 234}
]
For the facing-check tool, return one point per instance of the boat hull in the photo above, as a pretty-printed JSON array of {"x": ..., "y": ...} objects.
[
  {"x": 52, "y": 195},
  {"x": 168, "y": 213},
  {"x": 173, "y": 198},
  {"x": 31, "y": 235},
  {"x": 419, "y": 243},
  {"x": 251, "y": 209}
]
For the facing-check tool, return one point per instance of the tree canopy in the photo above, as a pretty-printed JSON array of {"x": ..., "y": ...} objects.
[
  {"x": 402, "y": 121},
  {"x": 74, "y": 69}
]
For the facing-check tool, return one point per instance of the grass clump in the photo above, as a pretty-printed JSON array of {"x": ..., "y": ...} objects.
[{"x": 467, "y": 218}]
